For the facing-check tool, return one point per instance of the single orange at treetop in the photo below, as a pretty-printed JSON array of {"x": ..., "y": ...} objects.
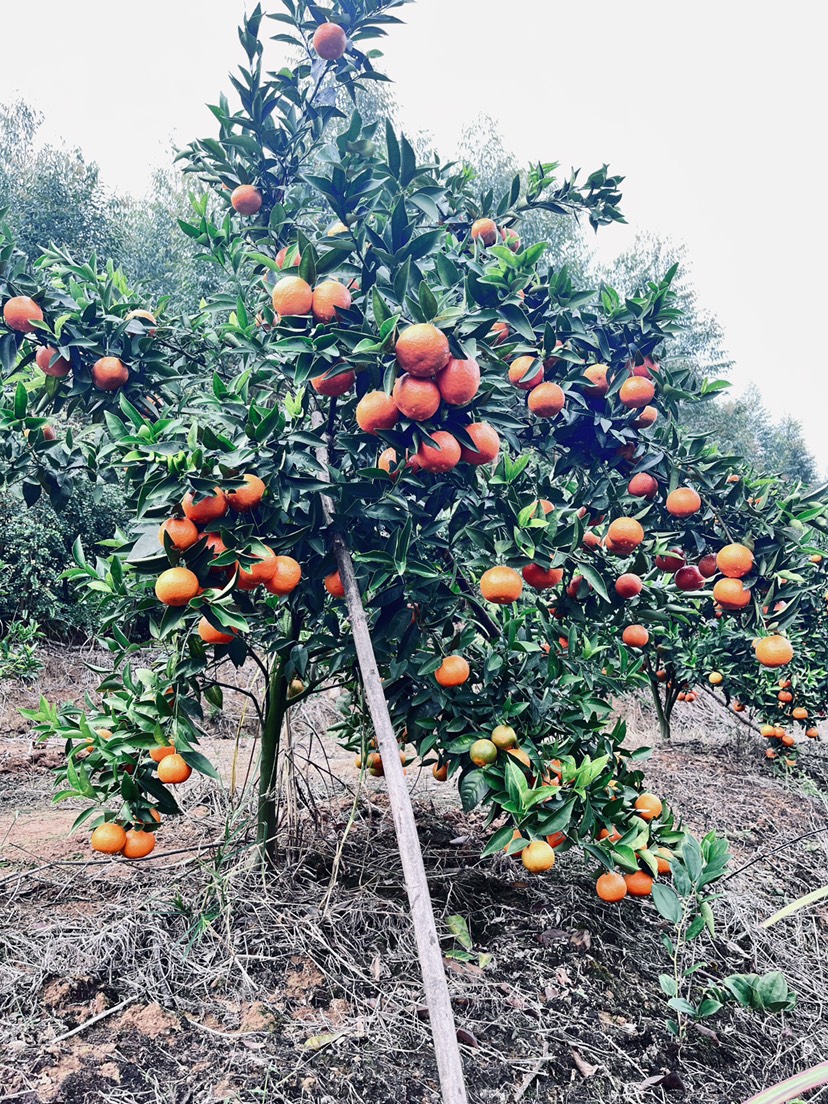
[
  {"x": 330, "y": 41},
  {"x": 441, "y": 459},
  {"x": 257, "y": 573},
  {"x": 624, "y": 535},
  {"x": 546, "y": 400},
  {"x": 731, "y": 594},
  {"x": 648, "y": 806},
  {"x": 459, "y": 381},
  {"x": 182, "y": 533},
  {"x": 501, "y": 585},
  {"x": 20, "y": 313},
  {"x": 598, "y": 382},
  {"x": 376, "y": 411},
  {"x": 334, "y": 382},
  {"x": 639, "y": 884},
  {"x": 174, "y": 769},
  {"x": 635, "y": 393},
  {"x": 328, "y": 297},
  {"x": 334, "y": 585},
  {"x": 206, "y": 509},
  {"x": 108, "y": 838},
  {"x": 422, "y": 350},
  {"x": 248, "y": 496},
  {"x": 735, "y": 561},
  {"x": 487, "y": 443},
  {"x": 51, "y": 363},
  {"x": 176, "y": 586},
  {"x": 286, "y": 578},
  {"x": 484, "y": 230},
  {"x": 683, "y": 502},
  {"x": 635, "y": 636},
  {"x": 211, "y": 635},
  {"x": 538, "y": 856},
  {"x": 109, "y": 373},
  {"x": 246, "y": 200},
  {"x": 138, "y": 844},
  {"x": 774, "y": 651},
  {"x": 542, "y": 578},
  {"x": 416, "y": 398},
  {"x": 611, "y": 887},
  {"x": 526, "y": 372},
  {"x": 453, "y": 671},
  {"x": 292, "y": 296}
]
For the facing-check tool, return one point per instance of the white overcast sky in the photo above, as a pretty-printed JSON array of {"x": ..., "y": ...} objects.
[{"x": 712, "y": 110}]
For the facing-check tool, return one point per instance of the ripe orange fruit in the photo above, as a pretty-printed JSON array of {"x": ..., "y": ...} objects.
[
  {"x": 611, "y": 887},
  {"x": 647, "y": 417},
  {"x": 333, "y": 385},
  {"x": 636, "y": 393},
  {"x": 20, "y": 312},
  {"x": 176, "y": 586},
  {"x": 483, "y": 752},
  {"x": 774, "y": 651},
  {"x": 663, "y": 856},
  {"x": 501, "y": 585},
  {"x": 334, "y": 585},
  {"x": 800, "y": 713},
  {"x": 422, "y": 350},
  {"x": 484, "y": 230},
  {"x": 613, "y": 836},
  {"x": 330, "y": 41},
  {"x": 181, "y": 532},
  {"x": 644, "y": 369},
  {"x": 329, "y": 296},
  {"x": 246, "y": 200},
  {"x": 247, "y": 497},
  {"x": 812, "y": 733},
  {"x": 288, "y": 255},
  {"x": 788, "y": 740},
  {"x": 715, "y": 678},
  {"x": 538, "y": 856},
  {"x": 292, "y": 296},
  {"x": 628, "y": 586},
  {"x": 453, "y": 671},
  {"x": 499, "y": 332},
  {"x": 440, "y": 771},
  {"x": 138, "y": 844},
  {"x": 441, "y": 459},
  {"x": 683, "y": 502},
  {"x": 376, "y": 411},
  {"x": 211, "y": 635},
  {"x": 158, "y": 753},
  {"x": 510, "y": 238},
  {"x": 206, "y": 509},
  {"x": 639, "y": 884},
  {"x": 541, "y": 578},
  {"x": 731, "y": 594},
  {"x": 109, "y": 373},
  {"x": 546, "y": 400},
  {"x": 642, "y": 485},
  {"x": 51, "y": 363},
  {"x": 257, "y": 573},
  {"x": 597, "y": 376},
  {"x": 785, "y": 696},
  {"x": 108, "y": 838},
  {"x": 635, "y": 636},
  {"x": 174, "y": 769},
  {"x": 648, "y": 806},
  {"x": 487, "y": 442},
  {"x": 459, "y": 381},
  {"x": 416, "y": 398},
  {"x": 286, "y": 577},
  {"x": 388, "y": 460},
  {"x": 526, "y": 372},
  {"x": 735, "y": 561},
  {"x": 624, "y": 534}
]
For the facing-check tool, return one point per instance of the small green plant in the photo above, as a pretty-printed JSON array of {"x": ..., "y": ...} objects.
[
  {"x": 464, "y": 951},
  {"x": 688, "y": 906},
  {"x": 18, "y": 651}
]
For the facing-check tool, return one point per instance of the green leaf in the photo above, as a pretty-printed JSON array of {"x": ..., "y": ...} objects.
[
  {"x": 667, "y": 903},
  {"x": 474, "y": 786}
]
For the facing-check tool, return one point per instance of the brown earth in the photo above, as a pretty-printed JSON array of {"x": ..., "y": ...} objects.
[{"x": 216, "y": 983}]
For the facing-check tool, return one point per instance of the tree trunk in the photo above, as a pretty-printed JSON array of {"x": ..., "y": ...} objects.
[
  {"x": 663, "y": 710},
  {"x": 275, "y": 706}
]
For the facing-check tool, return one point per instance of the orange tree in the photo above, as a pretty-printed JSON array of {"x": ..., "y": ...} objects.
[{"x": 387, "y": 371}]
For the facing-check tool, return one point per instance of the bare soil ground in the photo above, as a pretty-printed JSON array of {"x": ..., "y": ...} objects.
[{"x": 191, "y": 977}]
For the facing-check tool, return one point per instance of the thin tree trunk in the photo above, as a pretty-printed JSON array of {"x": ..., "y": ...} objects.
[
  {"x": 661, "y": 712},
  {"x": 271, "y": 732}
]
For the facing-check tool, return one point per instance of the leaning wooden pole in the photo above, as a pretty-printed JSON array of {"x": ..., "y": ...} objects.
[{"x": 435, "y": 986}]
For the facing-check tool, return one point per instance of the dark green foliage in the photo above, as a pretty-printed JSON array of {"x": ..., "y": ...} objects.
[{"x": 37, "y": 548}]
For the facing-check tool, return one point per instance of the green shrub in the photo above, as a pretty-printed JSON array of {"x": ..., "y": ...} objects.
[{"x": 35, "y": 550}]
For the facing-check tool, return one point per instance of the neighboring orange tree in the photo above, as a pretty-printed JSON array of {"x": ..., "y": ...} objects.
[{"x": 392, "y": 370}]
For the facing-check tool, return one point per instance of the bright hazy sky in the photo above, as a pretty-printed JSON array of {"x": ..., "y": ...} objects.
[{"x": 712, "y": 110}]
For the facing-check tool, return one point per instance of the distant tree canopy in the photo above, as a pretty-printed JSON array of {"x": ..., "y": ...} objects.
[{"x": 54, "y": 196}]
